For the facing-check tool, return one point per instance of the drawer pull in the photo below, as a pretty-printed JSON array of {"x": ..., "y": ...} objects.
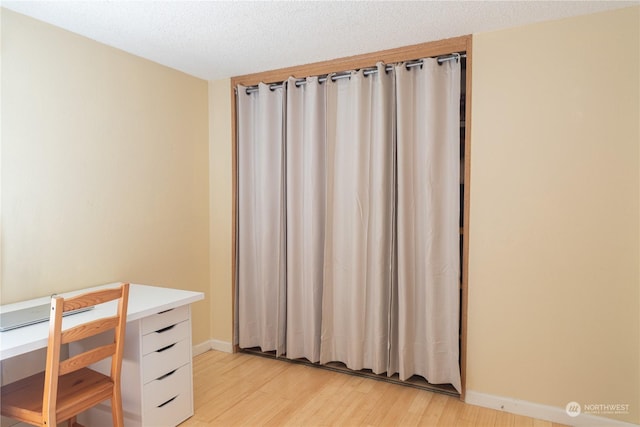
[
  {"x": 168, "y": 401},
  {"x": 165, "y": 311},
  {"x": 168, "y": 328},
  {"x": 160, "y": 350},
  {"x": 168, "y": 374}
]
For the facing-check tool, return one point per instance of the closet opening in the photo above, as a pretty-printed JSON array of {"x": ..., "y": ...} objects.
[{"x": 460, "y": 45}]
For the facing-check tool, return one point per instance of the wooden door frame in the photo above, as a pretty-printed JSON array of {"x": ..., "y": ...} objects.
[{"x": 367, "y": 60}]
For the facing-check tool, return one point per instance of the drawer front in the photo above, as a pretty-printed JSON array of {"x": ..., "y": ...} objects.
[
  {"x": 169, "y": 413},
  {"x": 163, "y": 337},
  {"x": 165, "y": 360},
  {"x": 164, "y": 319},
  {"x": 166, "y": 387}
]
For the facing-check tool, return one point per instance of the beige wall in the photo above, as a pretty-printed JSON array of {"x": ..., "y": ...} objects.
[
  {"x": 554, "y": 246},
  {"x": 104, "y": 168},
  {"x": 221, "y": 207}
]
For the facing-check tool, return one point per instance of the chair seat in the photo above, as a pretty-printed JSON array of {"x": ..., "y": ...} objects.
[{"x": 77, "y": 392}]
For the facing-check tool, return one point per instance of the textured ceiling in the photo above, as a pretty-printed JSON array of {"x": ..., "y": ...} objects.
[{"x": 217, "y": 39}]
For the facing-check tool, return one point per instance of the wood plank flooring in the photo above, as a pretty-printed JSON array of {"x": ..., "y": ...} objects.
[{"x": 246, "y": 390}]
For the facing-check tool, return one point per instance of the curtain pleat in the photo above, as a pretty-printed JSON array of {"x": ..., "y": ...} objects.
[
  {"x": 359, "y": 225},
  {"x": 305, "y": 216},
  {"x": 261, "y": 220},
  {"x": 348, "y": 220},
  {"x": 428, "y": 110}
]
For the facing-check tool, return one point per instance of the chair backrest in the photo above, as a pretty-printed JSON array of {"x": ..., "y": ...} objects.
[{"x": 57, "y": 337}]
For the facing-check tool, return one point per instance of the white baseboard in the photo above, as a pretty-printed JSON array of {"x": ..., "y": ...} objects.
[
  {"x": 225, "y": 346},
  {"x": 212, "y": 345},
  {"x": 542, "y": 412},
  {"x": 203, "y": 347}
]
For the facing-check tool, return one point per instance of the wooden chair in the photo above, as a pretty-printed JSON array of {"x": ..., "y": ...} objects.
[{"x": 67, "y": 388}]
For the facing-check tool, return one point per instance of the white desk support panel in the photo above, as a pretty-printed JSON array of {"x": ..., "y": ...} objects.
[{"x": 157, "y": 388}]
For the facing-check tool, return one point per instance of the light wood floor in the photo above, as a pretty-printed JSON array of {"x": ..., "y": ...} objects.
[{"x": 241, "y": 389}]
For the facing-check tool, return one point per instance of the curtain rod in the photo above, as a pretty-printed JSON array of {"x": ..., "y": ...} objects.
[{"x": 367, "y": 71}]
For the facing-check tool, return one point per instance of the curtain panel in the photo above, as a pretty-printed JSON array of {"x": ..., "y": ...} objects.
[
  {"x": 359, "y": 226},
  {"x": 306, "y": 205},
  {"x": 261, "y": 221},
  {"x": 428, "y": 129},
  {"x": 348, "y": 220}
]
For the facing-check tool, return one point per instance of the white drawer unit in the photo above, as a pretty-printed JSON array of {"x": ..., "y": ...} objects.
[
  {"x": 157, "y": 386},
  {"x": 166, "y": 368}
]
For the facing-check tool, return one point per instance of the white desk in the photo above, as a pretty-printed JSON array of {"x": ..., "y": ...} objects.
[{"x": 158, "y": 339}]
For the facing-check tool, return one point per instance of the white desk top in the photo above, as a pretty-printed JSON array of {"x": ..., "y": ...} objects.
[{"x": 143, "y": 301}]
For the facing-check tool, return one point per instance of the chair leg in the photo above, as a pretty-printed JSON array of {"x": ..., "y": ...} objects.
[{"x": 116, "y": 408}]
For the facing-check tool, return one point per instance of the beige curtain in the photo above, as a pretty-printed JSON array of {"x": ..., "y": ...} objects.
[
  {"x": 261, "y": 220},
  {"x": 428, "y": 129},
  {"x": 359, "y": 226},
  {"x": 306, "y": 146},
  {"x": 348, "y": 211}
]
